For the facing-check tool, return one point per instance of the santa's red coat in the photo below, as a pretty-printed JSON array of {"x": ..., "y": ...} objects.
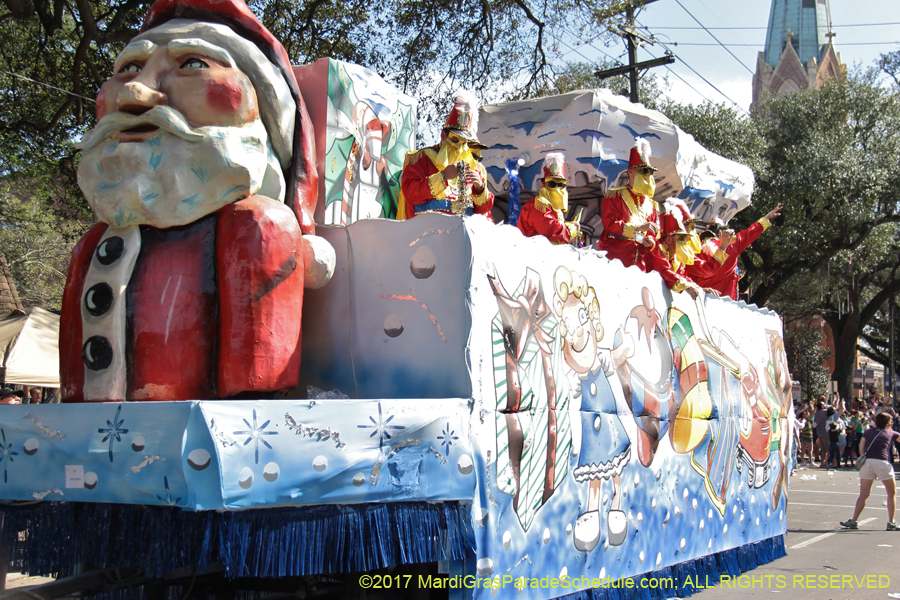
[{"x": 213, "y": 307}]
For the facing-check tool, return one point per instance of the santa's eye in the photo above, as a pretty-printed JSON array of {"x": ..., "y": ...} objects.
[
  {"x": 130, "y": 68},
  {"x": 582, "y": 316},
  {"x": 194, "y": 63}
]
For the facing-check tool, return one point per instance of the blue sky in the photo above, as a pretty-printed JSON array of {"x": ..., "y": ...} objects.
[{"x": 864, "y": 29}]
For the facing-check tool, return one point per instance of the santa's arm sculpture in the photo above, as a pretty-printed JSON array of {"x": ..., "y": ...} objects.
[{"x": 201, "y": 172}]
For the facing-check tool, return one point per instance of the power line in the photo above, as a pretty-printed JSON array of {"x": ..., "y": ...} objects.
[
  {"x": 678, "y": 2},
  {"x": 609, "y": 56},
  {"x": 765, "y": 28},
  {"x": 687, "y": 83},
  {"x": 752, "y": 74},
  {"x": 707, "y": 81},
  {"x": 714, "y": 14},
  {"x": 757, "y": 45},
  {"x": 755, "y": 77},
  {"x": 683, "y": 80},
  {"x": 52, "y": 87},
  {"x": 669, "y": 69}
]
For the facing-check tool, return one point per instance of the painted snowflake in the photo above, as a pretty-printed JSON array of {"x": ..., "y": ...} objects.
[
  {"x": 168, "y": 499},
  {"x": 113, "y": 431},
  {"x": 447, "y": 438},
  {"x": 381, "y": 427},
  {"x": 255, "y": 433},
  {"x": 6, "y": 452}
]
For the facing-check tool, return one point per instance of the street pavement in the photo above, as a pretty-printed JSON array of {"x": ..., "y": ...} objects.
[{"x": 824, "y": 561}]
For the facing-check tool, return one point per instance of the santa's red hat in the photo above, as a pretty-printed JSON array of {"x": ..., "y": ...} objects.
[
  {"x": 640, "y": 155},
  {"x": 295, "y": 149}
]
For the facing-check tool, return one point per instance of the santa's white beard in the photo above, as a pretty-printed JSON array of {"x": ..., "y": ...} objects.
[{"x": 177, "y": 176}]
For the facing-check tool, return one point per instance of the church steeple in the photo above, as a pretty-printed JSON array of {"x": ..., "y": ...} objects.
[
  {"x": 799, "y": 54},
  {"x": 809, "y": 22}
]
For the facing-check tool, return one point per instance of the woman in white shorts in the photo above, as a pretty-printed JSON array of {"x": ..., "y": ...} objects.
[{"x": 876, "y": 445}]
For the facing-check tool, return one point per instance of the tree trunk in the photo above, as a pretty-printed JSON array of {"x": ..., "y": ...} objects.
[{"x": 846, "y": 331}]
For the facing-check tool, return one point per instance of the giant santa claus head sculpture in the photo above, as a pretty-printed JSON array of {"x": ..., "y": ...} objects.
[{"x": 201, "y": 172}]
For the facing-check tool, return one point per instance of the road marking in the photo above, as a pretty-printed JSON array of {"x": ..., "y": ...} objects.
[
  {"x": 836, "y": 505},
  {"x": 819, "y": 538}
]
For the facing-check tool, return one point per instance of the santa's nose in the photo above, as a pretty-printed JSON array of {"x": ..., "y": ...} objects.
[{"x": 136, "y": 97}]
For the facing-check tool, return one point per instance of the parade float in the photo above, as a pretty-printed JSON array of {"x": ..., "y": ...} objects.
[{"x": 467, "y": 411}]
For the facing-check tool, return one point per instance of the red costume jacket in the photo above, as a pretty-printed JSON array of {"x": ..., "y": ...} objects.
[
  {"x": 622, "y": 212},
  {"x": 213, "y": 307},
  {"x": 423, "y": 186},
  {"x": 533, "y": 221},
  {"x": 719, "y": 272}
]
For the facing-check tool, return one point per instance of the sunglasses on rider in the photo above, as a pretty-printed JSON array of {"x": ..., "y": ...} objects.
[
  {"x": 644, "y": 170},
  {"x": 555, "y": 184}
]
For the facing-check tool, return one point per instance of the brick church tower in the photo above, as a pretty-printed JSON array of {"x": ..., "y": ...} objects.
[{"x": 799, "y": 54}]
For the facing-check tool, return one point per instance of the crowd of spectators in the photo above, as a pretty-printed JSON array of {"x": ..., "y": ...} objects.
[
  {"x": 28, "y": 395},
  {"x": 829, "y": 432}
]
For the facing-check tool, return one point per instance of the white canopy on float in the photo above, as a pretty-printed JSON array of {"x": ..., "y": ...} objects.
[
  {"x": 30, "y": 344},
  {"x": 596, "y": 130}
]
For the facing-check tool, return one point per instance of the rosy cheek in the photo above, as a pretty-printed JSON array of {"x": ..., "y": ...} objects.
[
  {"x": 101, "y": 103},
  {"x": 225, "y": 97}
]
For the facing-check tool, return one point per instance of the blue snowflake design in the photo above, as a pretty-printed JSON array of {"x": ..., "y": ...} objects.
[
  {"x": 113, "y": 431},
  {"x": 447, "y": 438},
  {"x": 6, "y": 452},
  {"x": 168, "y": 499},
  {"x": 256, "y": 433},
  {"x": 380, "y": 427}
]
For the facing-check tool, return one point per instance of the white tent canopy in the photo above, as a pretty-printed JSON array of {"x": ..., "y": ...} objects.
[{"x": 30, "y": 344}]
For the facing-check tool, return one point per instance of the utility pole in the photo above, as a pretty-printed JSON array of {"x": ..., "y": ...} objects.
[{"x": 631, "y": 39}]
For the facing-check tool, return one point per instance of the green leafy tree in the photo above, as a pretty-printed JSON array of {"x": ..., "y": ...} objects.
[
  {"x": 890, "y": 64},
  {"x": 722, "y": 129},
  {"x": 37, "y": 240},
  {"x": 425, "y": 48},
  {"x": 806, "y": 354},
  {"x": 55, "y": 56},
  {"x": 831, "y": 156}
]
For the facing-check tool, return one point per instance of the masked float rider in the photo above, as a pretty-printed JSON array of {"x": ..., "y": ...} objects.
[
  {"x": 545, "y": 214},
  {"x": 431, "y": 179},
  {"x": 675, "y": 250},
  {"x": 687, "y": 242},
  {"x": 630, "y": 218},
  {"x": 717, "y": 266}
]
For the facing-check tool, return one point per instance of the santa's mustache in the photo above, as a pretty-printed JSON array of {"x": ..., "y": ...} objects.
[{"x": 166, "y": 118}]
